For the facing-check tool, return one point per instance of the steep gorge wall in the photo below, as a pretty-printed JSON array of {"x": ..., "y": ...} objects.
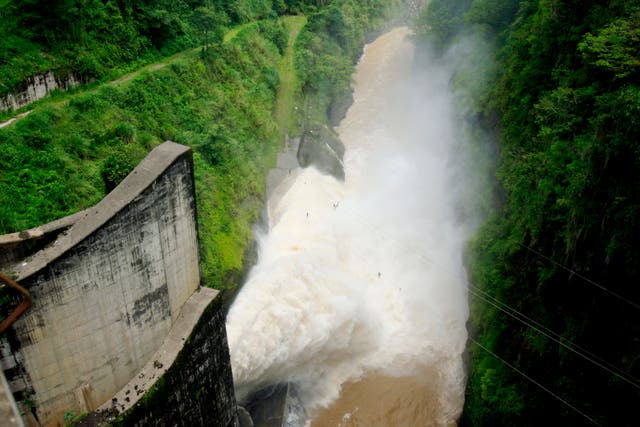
[{"x": 107, "y": 292}]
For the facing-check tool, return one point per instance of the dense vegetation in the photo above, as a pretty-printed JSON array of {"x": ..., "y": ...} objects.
[
  {"x": 328, "y": 49},
  {"x": 73, "y": 148},
  {"x": 64, "y": 156},
  {"x": 95, "y": 39},
  {"x": 561, "y": 245}
]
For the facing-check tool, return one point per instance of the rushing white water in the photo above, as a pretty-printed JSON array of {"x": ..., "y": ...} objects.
[{"x": 365, "y": 276}]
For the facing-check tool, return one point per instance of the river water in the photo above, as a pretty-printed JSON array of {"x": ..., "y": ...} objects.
[{"x": 359, "y": 294}]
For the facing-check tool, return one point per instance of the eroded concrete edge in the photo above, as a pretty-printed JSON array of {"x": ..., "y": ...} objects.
[
  {"x": 41, "y": 230},
  {"x": 162, "y": 360},
  {"x": 90, "y": 220}
]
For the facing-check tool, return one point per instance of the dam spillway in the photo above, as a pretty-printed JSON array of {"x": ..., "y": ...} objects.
[{"x": 362, "y": 281}]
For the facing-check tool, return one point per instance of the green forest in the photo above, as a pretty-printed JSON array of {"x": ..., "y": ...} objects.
[
  {"x": 97, "y": 40},
  {"x": 555, "y": 315}
]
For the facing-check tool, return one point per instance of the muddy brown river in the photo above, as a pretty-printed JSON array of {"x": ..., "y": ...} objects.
[{"x": 359, "y": 294}]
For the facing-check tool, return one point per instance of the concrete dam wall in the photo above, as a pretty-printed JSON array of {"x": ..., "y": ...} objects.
[{"x": 107, "y": 288}]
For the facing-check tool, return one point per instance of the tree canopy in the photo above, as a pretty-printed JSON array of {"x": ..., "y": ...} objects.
[{"x": 560, "y": 246}]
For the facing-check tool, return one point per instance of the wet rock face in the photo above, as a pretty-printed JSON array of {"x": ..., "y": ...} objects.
[
  {"x": 244, "y": 418},
  {"x": 277, "y": 405},
  {"x": 339, "y": 106},
  {"x": 321, "y": 147}
]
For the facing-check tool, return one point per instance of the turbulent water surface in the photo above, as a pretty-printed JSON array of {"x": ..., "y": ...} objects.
[{"x": 359, "y": 295}]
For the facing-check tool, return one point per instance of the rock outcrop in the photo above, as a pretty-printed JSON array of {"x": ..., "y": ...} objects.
[{"x": 321, "y": 147}]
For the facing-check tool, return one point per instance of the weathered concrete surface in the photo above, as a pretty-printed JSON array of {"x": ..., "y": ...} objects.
[
  {"x": 107, "y": 292},
  {"x": 286, "y": 164},
  {"x": 158, "y": 364},
  {"x": 9, "y": 414},
  {"x": 36, "y": 87},
  {"x": 197, "y": 390},
  {"x": 16, "y": 247}
]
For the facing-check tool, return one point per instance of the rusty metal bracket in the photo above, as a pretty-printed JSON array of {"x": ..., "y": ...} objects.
[{"x": 21, "y": 308}]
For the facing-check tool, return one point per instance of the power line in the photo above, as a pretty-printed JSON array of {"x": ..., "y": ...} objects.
[
  {"x": 535, "y": 382},
  {"x": 567, "y": 346},
  {"x": 522, "y": 318},
  {"x": 514, "y": 313},
  {"x": 563, "y": 341},
  {"x": 586, "y": 279}
]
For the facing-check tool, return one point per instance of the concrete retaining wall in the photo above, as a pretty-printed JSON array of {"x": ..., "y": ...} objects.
[
  {"x": 107, "y": 292},
  {"x": 36, "y": 87},
  {"x": 197, "y": 390}
]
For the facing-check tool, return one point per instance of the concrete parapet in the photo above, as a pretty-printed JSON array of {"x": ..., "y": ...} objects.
[
  {"x": 197, "y": 389},
  {"x": 17, "y": 247},
  {"x": 164, "y": 357},
  {"x": 106, "y": 292}
]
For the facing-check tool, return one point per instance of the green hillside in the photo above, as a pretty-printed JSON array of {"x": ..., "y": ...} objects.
[
  {"x": 555, "y": 314},
  {"x": 99, "y": 39}
]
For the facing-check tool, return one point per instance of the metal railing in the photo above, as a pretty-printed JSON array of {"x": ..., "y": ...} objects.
[{"x": 21, "y": 308}]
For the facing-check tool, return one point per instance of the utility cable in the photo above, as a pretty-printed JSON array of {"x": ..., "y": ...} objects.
[
  {"x": 565, "y": 342},
  {"x": 568, "y": 347},
  {"x": 578, "y": 411},
  {"x": 517, "y": 315},
  {"x": 512, "y": 312},
  {"x": 531, "y": 323},
  {"x": 586, "y": 279}
]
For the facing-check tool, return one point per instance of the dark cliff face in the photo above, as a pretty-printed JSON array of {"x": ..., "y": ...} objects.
[
  {"x": 321, "y": 147},
  {"x": 338, "y": 107},
  {"x": 276, "y": 406}
]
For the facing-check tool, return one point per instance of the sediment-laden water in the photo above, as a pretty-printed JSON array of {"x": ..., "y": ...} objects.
[{"x": 359, "y": 295}]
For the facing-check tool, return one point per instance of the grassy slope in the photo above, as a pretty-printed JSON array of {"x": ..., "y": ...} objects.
[
  {"x": 286, "y": 71},
  {"x": 225, "y": 108},
  {"x": 9, "y": 117}
]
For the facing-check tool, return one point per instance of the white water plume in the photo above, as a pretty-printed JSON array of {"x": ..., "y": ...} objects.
[{"x": 366, "y": 275}]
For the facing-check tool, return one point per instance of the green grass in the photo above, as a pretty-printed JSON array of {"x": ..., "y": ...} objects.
[
  {"x": 233, "y": 32},
  {"x": 119, "y": 76},
  {"x": 286, "y": 71}
]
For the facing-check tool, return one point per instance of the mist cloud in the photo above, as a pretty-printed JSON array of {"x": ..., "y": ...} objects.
[{"x": 367, "y": 275}]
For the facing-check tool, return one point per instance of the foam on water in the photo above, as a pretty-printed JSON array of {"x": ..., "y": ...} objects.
[{"x": 366, "y": 275}]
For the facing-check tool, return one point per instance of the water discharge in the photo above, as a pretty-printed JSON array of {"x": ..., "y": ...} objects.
[{"x": 360, "y": 285}]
